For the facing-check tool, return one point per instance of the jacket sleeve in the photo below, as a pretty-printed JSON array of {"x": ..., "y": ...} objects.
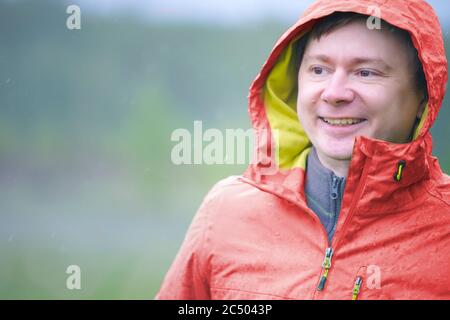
[{"x": 186, "y": 278}]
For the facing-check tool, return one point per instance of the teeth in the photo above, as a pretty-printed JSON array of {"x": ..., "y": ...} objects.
[{"x": 342, "y": 122}]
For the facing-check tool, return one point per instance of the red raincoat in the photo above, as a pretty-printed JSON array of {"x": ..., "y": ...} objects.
[{"x": 254, "y": 237}]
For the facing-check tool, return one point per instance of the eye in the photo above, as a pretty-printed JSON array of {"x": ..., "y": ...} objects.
[
  {"x": 366, "y": 73},
  {"x": 317, "y": 70}
]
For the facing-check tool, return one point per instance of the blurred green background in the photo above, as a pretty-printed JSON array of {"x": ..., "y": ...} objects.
[{"x": 85, "y": 123}]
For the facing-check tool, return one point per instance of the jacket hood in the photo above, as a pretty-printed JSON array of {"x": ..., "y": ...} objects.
[{"x": 281, "y": 143}]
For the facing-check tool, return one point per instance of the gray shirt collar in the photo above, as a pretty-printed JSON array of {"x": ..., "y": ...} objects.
[{"x": 324, "y": 192}]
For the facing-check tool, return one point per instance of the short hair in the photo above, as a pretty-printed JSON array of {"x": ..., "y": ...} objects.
[{"x": 341, "y": 19}]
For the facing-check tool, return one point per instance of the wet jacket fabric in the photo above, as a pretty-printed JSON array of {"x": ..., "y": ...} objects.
[{"x": 254, "y": 237}]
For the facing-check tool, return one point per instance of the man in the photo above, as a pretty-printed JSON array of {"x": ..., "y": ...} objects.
[{"x": 351, "y": 205}]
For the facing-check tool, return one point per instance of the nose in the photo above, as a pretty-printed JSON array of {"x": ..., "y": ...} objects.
[{"x": 336, "y": 91}]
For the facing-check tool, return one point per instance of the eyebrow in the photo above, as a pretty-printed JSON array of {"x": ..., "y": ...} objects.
[{"x": 354, "y": 61}]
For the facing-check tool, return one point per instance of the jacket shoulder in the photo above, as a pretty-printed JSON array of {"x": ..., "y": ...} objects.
[
  {"x": 188, "y": 277},
  {"x": 224, "y": 188},
  {"x": 441, "y": 190},
  {"x": 234, "y": 198}
]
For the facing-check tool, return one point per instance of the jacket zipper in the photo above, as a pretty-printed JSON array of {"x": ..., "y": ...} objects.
[
  {"x": 335, "y": 186},
  {"x": 358, "y": 191},
  {"x": 326, "y": 264}
]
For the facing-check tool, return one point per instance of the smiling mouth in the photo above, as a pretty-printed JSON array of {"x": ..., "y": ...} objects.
[{"x": 340, "y": 122}]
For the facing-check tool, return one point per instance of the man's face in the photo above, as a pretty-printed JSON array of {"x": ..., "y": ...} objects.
[{"x": 356, "y": 81}]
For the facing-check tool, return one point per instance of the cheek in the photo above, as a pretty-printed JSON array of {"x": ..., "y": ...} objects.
[
  {"x": 389, "y": 111},
  {"x": 307, "y": 99},
  {"x": 378, "y": 102},
  {"x": 306, "y": 111}
]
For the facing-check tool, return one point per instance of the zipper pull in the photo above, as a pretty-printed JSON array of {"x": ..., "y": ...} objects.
[
  {"x": 400, "y": 166},
  {"x": 326, "y": 265},
  {"x": 357, "y": 288}
]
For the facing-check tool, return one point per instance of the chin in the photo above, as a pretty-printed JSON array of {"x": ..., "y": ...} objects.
[{"x": 339, "y": 151}]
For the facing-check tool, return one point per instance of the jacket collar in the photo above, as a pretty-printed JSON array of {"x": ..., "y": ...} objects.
[{"x": 370, "y": 184}]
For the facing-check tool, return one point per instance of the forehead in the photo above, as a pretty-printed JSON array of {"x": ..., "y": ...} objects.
[{"x": 356, "y": 40}]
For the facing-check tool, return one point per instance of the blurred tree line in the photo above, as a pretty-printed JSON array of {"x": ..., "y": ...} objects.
[{"x": 118, "y": 87}]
